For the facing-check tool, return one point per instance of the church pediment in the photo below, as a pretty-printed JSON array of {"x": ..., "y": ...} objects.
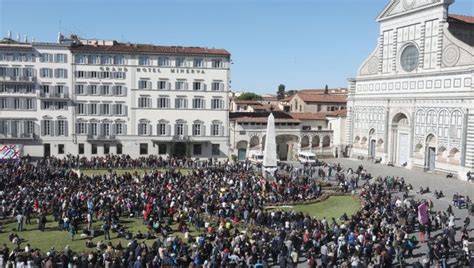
[{"x": 399, "y": 7}]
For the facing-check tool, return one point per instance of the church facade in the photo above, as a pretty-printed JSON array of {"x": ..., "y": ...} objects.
[{"x": 412, "y": 102}]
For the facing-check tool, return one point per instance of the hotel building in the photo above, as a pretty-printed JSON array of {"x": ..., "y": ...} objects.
[{"x": 96, "y": 97}]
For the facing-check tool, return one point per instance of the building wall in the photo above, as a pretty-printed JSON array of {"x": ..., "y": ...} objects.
[
  {"x": 415, "y": 118},
  {"x": 93, "y": 102}
]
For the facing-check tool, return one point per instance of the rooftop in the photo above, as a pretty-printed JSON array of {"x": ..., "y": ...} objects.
[
  {"x": 462, "y": 18},
  {"x": 325, "y": 98}
]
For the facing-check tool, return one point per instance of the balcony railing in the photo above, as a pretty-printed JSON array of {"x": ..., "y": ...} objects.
[
  {"x": 53, "y": 95},
  {"x": 180, "y": 138},
  {"x": 101, "y": 137},
  {"x": 8, "y": 78},
  {"x": 18, "y": 136}
]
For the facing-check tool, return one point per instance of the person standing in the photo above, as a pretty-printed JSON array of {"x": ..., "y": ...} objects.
[
  {"x": 72, "y": 231},
  {"x": 106, "y": 229},
  {"x": 19, "y": 220}
]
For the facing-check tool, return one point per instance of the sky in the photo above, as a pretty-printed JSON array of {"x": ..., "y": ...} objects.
[{"x": 298, "y": 43}]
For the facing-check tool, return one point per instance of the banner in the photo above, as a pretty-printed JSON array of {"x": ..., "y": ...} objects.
[{"x": 10, "y": 151}]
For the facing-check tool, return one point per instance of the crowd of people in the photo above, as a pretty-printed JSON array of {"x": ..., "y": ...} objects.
[{"x": 225, "y": 203}]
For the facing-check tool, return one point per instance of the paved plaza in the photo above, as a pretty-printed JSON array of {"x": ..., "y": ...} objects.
[{"x": 418, "y": 179}]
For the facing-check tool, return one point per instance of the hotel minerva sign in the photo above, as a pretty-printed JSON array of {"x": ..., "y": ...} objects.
[{"x": 172, "y": 70}]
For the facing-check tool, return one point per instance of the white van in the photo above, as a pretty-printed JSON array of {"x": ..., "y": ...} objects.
[
  {"x": 256, "y": 157},
  {"x": 307, "y": 157}
]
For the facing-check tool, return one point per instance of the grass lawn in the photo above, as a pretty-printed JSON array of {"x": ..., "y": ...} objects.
[
  {"x": 140, "y": 171},
  {"x": 52, "y": 237},
  {"x": 334, "y": 206}
]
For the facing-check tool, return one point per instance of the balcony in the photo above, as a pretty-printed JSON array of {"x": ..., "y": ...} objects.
[
  {"x": 52, "y": 95},
  {"x": 18, "y": 136},
  {"x": 91, "y": 137},
  {"x": 180, "y": 138},
  {"x": 17, "y": 79}
]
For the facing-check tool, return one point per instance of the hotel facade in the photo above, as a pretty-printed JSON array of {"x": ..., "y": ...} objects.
[
  {"x": 97, "y": 97},
  {"x": 412, "y": 102}
]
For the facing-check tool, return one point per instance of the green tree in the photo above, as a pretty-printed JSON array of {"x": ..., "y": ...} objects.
[
  {"x": 281, "y": 92},
  {"x": 291, "y": 92},
  {"x": 249, "y": 96},
  {"x": 326, "y": 89}
]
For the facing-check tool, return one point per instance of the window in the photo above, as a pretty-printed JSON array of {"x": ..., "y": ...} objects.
[
  {"x": 181, "y": 85},
  {"x": 47, "y": 128},
  {"x": 105, "y": 90},
  {"x": 163, "y": 61},
  {"x": 60, "y": 73},
  {"x": 216, "y": 149},
  {"x": 198, "y": 103},
  {"x": 197, "y": 129},
  {"x": 217, "y": 86},
  {"x": 198, "y": 85},
  {"x": 105, "y": 109},
  {"x": 80, "y": 59},
  {"x": 409, "y": 58},
  {"x": 80, "y": 148},
  {"x": 143, "y": 61},
  {"x": 162, "y": 129},
  {"x": 143, "y": 128},
  {"x": 94, "y": 130},
  {"x": 60, "y": 148},
  {"x": 60, "y": 58},
  {"x": 119, "y": 90},
  {"x": 46, "y": 73},
  {"x": 163, "y": 102},
  {"x": 143, "y": 148},
  {"x": 93, "y": 109},
  {"x": 144, "y": 84},
  {"x": 29, "y": 104},
  {"x": 61, "y": 124},
  {"x": 144, "y": 102},
  {"x": 80, "y": 90},
  {"x": 106, "y": 148},
  {"x": 217, "y": 64},
  {"x": 215, "y": 129},
  {"x": 119, "y": 60},
  {"x": 180, "y": 129},
  {"x": 163, "y": 85},
  {"x": 81, "y": 128},
  {"x": 119, "y": 148},
  {"x": 180, "y": 62},
  {"x": 180, "y": 103},
  {"x": 93, "y": 148},
  {"x": 46, "y": 57},
  {"x": 119, "y": 110},
  {"x": 197, "y": 149},
  {"x": 81, "y": 108},
  {"x": 217, "y": 104},
  {"x": 198, "y": 63},
  {"x": 119, "y": 129},
  {"x": 47, "y": 105},
  {"x": 93, "y": 90},
  {"x": 161, "y": 148}
]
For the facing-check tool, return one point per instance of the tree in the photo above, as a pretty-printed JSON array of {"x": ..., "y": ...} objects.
[
  {"x": 291, "y": 92},
  {"x": 326, "y": 90},
  {"x": 281, "y": 92},
  {"x": 249, "y": 96}
]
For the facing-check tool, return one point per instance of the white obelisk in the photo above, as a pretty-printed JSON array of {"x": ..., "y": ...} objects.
[{"x": 270, "y": 154}]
